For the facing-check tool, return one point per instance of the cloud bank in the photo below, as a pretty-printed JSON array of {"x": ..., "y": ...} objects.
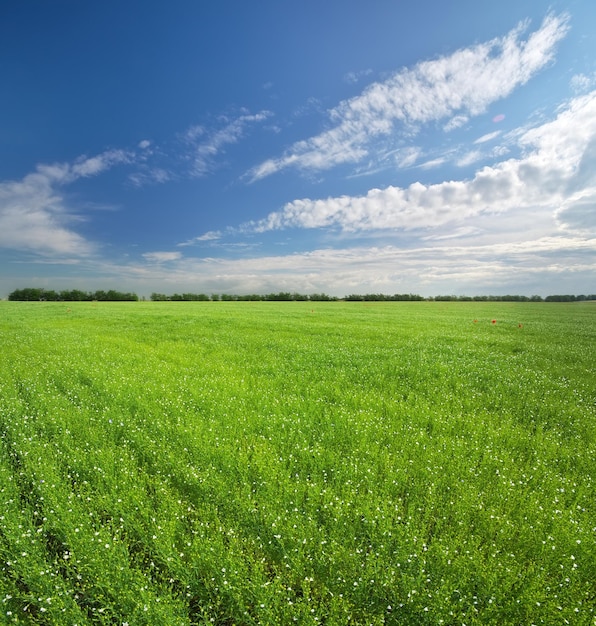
[
  {"x": 557, "y": 171},
  {"x": 529, "y": 266}
]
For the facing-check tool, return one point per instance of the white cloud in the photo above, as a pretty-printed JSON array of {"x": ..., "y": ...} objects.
[
  {"x": 33, "y": 213},
  {"x": 455, "y": 122},
  {"x": 206, "y": 145},
  {"x": 488, "y": 137},
  {"x": 559, "y": 159},
  {"x": 580, "y": 83},
  {"x": 92, "y": 166},
  {"x": 33, "y": 216},
  {"x": 456, "y": 86},
  {"x": 354, "y": 77},
  {"x": 195, "y": 151},
  {"x": 150, "y": 175},
  {"x": 469, "y": 158},
  {"x": 162, "y": 257},
  {"x": 212, "y": 235},
  {"x": 406, "y": 157},
  {"x": 578, "y": 213},
  {"x": 527, "y": 266},
  {"x": 457, "y": 233},
  {"x": 428, "y": 165}
]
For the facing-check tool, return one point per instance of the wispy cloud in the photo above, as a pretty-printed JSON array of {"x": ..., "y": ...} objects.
[
  {"x": 452, "y": 87},
  {"x": 207, "y": 144},
  {"x": 469, "y": 158},
  {"x": 456, "y": 122},
  {"x": 488, "y": 137},
  {"x": 581, "y": 83},
  {"x": 161, "y": 257},
  {"x": 91, "y": 166},
  {"x": 212, "y": 235},
  {"x": 34, "y": 215},
  {"x": 355, "y": 77},
  {"x": 559, "y": 160},
  {"x": 194, "y": 153},
  {"x": 406, "y": 157},
  {"x": 432, "y": 163}
]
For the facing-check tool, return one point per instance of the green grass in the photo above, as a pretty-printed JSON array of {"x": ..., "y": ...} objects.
[{"x": 311, "y": 463}]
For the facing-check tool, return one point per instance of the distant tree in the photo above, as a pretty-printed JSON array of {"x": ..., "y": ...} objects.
[
  {"x": 406, "y": 297},
  {"x": 74, "y": 295},
  {"x": 251, "y": 297},
  {"x": 28, "y": 294},
  {"x": 560, "y": 298},
  {"x": 281, "y": 296}
]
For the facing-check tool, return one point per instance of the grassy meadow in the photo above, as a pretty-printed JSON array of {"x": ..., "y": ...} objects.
[{"x": 312, "y": 463}]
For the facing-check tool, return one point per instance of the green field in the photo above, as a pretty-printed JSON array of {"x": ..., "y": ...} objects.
[{"x": 311, "y": 463}]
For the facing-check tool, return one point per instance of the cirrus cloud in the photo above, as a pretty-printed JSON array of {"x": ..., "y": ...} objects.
[{"x": 452, "y": 87}]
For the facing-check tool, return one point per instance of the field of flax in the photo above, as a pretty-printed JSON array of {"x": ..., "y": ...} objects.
[{"x": 318, "y": 463}]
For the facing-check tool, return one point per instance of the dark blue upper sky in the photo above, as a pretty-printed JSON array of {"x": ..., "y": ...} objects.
[{"x": 342, "y": 146}]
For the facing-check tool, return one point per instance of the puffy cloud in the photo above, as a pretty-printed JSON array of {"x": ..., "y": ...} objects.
[{"x": 456, "y": 87}]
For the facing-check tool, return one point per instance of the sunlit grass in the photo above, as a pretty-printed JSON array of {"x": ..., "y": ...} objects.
[{"x": 271, "y": 463}]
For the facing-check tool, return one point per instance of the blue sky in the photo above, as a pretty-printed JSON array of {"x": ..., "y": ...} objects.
[{"x": 341, "y": 147}]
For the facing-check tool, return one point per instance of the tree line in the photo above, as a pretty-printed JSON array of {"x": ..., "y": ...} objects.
[
  {"x": 31, "y": 294},
  {"x": 281, "y": 296},
  {"x": 514, "y": 298},
  {"x": 72, "y": 295},
  {"x": 367, "y": 297}
]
